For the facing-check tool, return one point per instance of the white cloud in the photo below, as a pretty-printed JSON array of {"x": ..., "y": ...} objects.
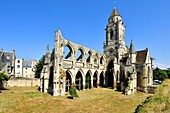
[{"x": 160, "y": 65}]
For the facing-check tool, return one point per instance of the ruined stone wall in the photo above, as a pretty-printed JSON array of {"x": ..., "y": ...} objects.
[{"x": 23, "y": 82}]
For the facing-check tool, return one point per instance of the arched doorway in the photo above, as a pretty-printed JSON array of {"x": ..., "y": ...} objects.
[
  {"x": 88, "y": 80},
  {"x": 68, "y": 81},
  {"x": 50, "y": 83},
  {"x": 110, "y": 76},
  {"x": 101, "y": 79},
  {"x": 79, "y": 81},
  {"x": 139, "y": 80},
  {"x": 95, "y": 80}
]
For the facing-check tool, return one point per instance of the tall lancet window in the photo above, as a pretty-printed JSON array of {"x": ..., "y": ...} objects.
[{"x": 111, "y": 35}]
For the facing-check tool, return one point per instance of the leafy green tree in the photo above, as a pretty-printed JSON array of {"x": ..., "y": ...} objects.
[
  {"x": 39, "y": 67},
  {"x": 168, "y": 72},
  {"x": 159, "y": 74},
  {"x": 3, "y": 77}
]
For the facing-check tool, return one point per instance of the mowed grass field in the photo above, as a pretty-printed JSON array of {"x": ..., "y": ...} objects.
[{"x": 97, "y": 100}]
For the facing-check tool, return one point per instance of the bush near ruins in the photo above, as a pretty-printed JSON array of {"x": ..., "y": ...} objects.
[
  {"x": 3, "y": 77},
  {"x": 73, "y": 92}
]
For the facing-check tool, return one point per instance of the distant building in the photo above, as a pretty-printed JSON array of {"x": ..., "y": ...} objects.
[
  {"x": 25, "y": 68},
  {"x": 19, "y": 67},
  {"x": 7, "y": 62},
  {"x": 29, "y": 68}
]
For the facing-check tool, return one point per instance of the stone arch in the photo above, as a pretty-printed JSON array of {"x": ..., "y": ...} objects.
[
  {"x": 95, "y": 58},
  {"x": 68, "y": 80},
  {"x": 89, "y": 56},
  {"x": 101, "y": 79},
  {"x": 95, "y": 79},
  {"x": 115, "y": 60},
  {"x": 68, "y": 51},
  {"x": 139, "y": 76},
  {"x": 111, "y": 34},
  {"x": 88, "y": 80},
  {"x": 80, "y": 54},
  {"x": 102, "y": 60},
  {"x": 110, "y": 74},
  {"x": 79, "y": 80}
]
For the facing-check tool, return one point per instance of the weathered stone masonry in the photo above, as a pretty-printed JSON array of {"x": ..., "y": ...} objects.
[{"x": 81, "y": 67}]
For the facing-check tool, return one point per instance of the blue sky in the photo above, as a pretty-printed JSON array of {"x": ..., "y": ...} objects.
[{"x": 28, "y": 25}]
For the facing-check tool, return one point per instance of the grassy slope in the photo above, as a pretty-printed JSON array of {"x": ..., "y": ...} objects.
[
  {"x": 160, "y": 102},
  {"x": 101, "y": 100}
]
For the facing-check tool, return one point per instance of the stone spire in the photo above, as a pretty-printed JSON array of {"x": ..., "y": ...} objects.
[
  {"x": 115, "y": 12},
  {"x": 47, "y": 56},
  {"x": 132, "y": 50},
  {"x": 48, "y": 49}
]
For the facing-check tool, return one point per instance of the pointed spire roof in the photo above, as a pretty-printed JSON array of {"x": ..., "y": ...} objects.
[
  {"x": 48, "y": 49},
  {"x": 115, "y": 12},
  {"x": 132, "y": 49}
]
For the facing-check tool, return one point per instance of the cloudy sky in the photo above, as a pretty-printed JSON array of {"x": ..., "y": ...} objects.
[{"x": 28, "y": 25}]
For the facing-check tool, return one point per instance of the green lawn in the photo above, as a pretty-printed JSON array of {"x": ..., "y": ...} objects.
[{"x": 101, "y": 100}]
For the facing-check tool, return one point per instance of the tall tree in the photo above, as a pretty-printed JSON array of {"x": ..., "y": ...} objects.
[{"x": 39, "y": 67}]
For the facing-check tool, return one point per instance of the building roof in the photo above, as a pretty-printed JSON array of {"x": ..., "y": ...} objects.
[
  {"x": 132, "y": 49},
  {"x": 115, "y": 12},
  {"x": 28, "y": 63},
  {"x": 6, "y": 57},
  {"x": 141, "y": 56}
]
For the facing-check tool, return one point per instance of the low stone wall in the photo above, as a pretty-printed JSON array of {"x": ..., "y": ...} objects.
[{"x": 23, "y": 82}]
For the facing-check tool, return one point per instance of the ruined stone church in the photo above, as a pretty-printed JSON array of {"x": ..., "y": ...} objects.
[{"x": 120, "y": 67}]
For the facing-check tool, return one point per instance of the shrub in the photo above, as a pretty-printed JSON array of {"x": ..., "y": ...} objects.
[
  {"x": 3, "y": 77},
  {"x": 73, "y": 92}
]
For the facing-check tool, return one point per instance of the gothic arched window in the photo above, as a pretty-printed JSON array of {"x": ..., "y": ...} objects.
[{"x": 111, "y": 34}]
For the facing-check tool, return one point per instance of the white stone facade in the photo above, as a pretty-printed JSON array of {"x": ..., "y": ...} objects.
[
  {"x": 25, "y": 68},
  {"x": 19, "y": 67}
]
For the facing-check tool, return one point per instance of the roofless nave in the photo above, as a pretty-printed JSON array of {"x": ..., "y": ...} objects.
[{"x": 81, "y": 67}]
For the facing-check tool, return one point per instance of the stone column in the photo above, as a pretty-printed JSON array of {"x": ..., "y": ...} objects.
[
  {"x": 114, "y": 82},
  {"x": 84, "y": 82},
  {"x": 91, "y": 82}
]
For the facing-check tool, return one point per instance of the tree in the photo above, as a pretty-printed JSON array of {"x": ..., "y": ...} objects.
[
  {"x": 168, "y": 72},
  {"x": 159, "y": 74},
  {"x": 3, "y": 77},
  {"x": 39, "y": 67}
]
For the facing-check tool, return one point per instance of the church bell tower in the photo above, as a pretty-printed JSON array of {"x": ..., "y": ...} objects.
[{"x": 115, "y": 35}]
